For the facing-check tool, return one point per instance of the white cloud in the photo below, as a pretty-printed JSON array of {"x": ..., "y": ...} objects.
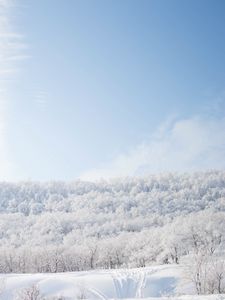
[
  {"x": 196, "y": 143},
  {"x": 11, "y": 48},
  {"x": 40, "y": 98}
]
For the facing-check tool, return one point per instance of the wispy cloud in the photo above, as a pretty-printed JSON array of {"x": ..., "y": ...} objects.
[
  {"x": 40, "y": 98},
  {"x": 11, "y": 51},
  {"x": 196, "y": 143}
]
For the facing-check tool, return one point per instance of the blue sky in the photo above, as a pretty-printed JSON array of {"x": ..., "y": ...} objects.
[{"x": 111, "y": 88}]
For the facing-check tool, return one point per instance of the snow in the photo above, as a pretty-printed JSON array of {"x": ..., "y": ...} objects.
[{"x": 158, "y": 282}]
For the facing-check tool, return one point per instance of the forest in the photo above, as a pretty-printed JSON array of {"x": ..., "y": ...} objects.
[{"x": 121, "y": 223}]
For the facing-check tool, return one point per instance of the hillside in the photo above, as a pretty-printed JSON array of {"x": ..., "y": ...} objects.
[{"x": 125, "y": 223}]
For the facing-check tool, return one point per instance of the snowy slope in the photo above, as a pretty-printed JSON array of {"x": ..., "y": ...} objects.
[{"x": 152, "y": 282}]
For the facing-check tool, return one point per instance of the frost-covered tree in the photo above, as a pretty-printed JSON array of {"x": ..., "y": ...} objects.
[{"x": 59, "y": 226}]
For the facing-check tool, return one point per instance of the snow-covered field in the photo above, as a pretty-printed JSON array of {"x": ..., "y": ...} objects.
[{"x": 153, "y": 282}]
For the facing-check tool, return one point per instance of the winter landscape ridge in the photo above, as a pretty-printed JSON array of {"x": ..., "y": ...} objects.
[{"x": 159, "y": 236}]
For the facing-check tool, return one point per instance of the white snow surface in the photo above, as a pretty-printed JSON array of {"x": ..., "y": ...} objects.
[{"x": 157, "y": 282}]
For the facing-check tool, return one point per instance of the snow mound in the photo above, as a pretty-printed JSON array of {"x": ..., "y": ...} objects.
[{"x": 149, "y": 283}]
